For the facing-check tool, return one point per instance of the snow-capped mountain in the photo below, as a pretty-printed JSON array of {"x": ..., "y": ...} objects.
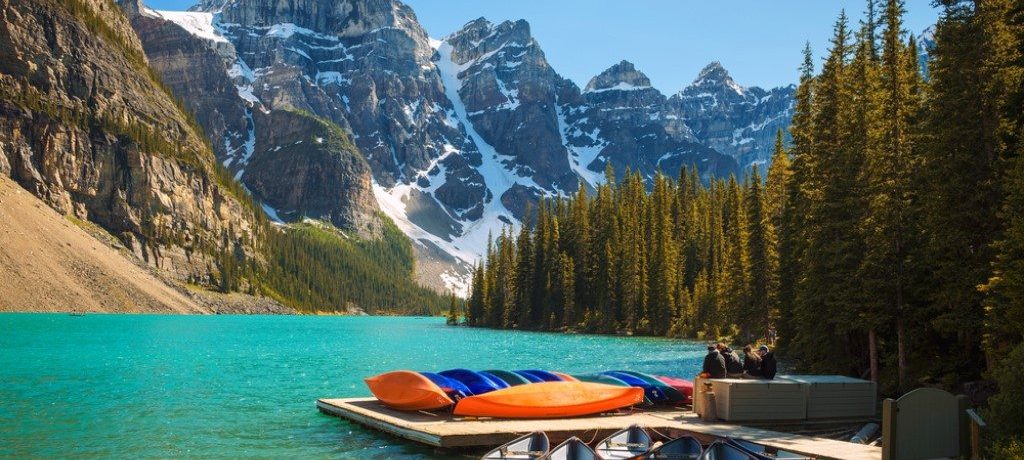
[
  {"x": 450, "y": 138},
  {"x": 734, "y": 120}
]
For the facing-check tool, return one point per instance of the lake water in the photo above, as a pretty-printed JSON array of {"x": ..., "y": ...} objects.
[{"x": 131, "y": 386}]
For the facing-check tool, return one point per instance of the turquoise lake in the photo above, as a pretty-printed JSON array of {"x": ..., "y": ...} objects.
[{"x": 154, "y": 386}]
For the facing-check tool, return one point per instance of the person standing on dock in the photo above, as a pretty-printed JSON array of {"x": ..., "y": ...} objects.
[{"x": 714, "y": 364}]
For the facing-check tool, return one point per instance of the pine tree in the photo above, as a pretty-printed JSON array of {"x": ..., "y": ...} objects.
[
  {"x": 888, "y": 225},
  {"x": 453, "y": 312},
  {"x": 776, "y": 208},
  {"x": 792, "y": 236},
  {"x": 754, "y": 319}
]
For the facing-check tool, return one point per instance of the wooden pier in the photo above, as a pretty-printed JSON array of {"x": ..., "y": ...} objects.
[{"x": 447, "y": 431}]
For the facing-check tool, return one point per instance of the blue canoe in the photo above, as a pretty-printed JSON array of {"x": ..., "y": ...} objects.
[
  {"x": 652, "y": 392},
  {"x": 542, "y": 376},
  {"x": 455, "y": 389},
  {"x": 478, "y": 384}
]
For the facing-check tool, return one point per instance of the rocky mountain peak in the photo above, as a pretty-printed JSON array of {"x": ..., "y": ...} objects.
[
  {"x": 714, "y": 75},
  {"x": 619, "y": 76}
]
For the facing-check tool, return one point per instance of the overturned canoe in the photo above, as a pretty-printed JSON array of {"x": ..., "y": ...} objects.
[
  {"x": 509, "y": 377},
  {"x": 550, "y": 400},
  {"x": 536, "y": 375},
  {"x": 565, "y": 377},
  {"x": 476, "y": 382},
  {"x": 682, "y": 385},
  {"x": 624, "y": 444},
  {"x": 600, "y": 378},
  {"x": 455, "y": 389},
  {"x": 407, "y": 390},
  {"x": 672, "y": 395},
  {"x": 529, "y": 447},
  {"x": 572, "y": 449},
  {"x": 653, "y": 392}
]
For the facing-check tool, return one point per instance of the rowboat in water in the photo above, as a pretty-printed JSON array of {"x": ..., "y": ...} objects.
[
  {"x": 572, "y": 449},
  {"x": 625, "y": 444},
  {"x": 529, "y": 447}
]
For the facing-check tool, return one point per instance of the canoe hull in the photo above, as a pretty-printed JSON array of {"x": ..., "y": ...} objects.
[
  {"x": 407, "y": 390},
  {"x": 550, "y": 400}
]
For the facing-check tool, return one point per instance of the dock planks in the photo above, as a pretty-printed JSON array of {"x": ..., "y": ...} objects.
[{"x": 447, "y": 431}]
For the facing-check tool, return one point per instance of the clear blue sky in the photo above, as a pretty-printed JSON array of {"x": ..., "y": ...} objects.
[{"x": 758, "y": 41}]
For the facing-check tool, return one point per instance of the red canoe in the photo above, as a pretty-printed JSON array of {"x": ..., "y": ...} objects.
[
  {"x": 550, "y": 400},
  {"x": 684, "y": 386},
  {"x": 407, "y": 390}
]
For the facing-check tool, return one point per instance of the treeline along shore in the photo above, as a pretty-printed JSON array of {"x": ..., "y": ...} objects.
[{"x": 887, "y": 240}]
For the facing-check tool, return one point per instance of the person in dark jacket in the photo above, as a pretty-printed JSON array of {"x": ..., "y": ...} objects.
[
  {"x": 751, "y": 363},
  {"x": 714, "y": 364},
  {"x": 769, "y": 366},
  {"x": 733, "y": 366}
]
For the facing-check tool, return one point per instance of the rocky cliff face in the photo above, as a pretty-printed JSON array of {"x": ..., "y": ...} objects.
[{"x": 85, "y": 127}]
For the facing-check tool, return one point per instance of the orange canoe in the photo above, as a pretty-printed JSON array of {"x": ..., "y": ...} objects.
[
  {"x": 550, "y": 400},
  {"x": 407, "y": 390}
]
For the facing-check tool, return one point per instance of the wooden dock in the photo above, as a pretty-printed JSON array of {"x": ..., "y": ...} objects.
[{"x": 446, "y": 431}]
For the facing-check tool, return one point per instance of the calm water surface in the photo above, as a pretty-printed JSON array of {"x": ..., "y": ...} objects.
[{"x": 133, "y": 386}]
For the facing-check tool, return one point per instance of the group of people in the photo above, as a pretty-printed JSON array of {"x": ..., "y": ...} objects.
[{"x": 722, "y": 362}]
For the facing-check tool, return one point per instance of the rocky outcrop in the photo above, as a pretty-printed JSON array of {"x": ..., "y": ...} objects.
[
  {"x": 734, "y": 120},
  {"x": 303, "y": 167},
  {"x": 85, "y": 127}
]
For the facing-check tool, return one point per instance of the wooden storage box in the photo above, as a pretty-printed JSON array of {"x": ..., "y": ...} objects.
[
  {"x": 746, "y": 399},
  {"x": 836, "y": 396}
]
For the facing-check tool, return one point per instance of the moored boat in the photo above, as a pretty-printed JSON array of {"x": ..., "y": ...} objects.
[
  {"x": 764, "y": 452},
  {"x": 627, "y": 443},
  {"x": 681, "y": 448},
  {"x": 529, "y": 447},
  {"x": 549, "y": 400},
  {"x": 572, "y": 449},
  {"x": 408, "y": 390},
  {"x": 720, "y": 450}
]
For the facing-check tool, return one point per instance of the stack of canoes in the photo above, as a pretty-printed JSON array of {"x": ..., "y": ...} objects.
[
  {"x": 526, "y": 393},
  {"x": 634, "y": 443}
]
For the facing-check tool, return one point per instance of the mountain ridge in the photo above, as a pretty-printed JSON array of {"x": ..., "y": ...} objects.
[{"x": 461, "y": 134}]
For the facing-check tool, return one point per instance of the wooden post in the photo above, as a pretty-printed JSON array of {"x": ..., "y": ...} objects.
[
  {"x": 976, "y": 425},
  {"x": 963, "y": 404},
  {"x": 889, "y": 441}
]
